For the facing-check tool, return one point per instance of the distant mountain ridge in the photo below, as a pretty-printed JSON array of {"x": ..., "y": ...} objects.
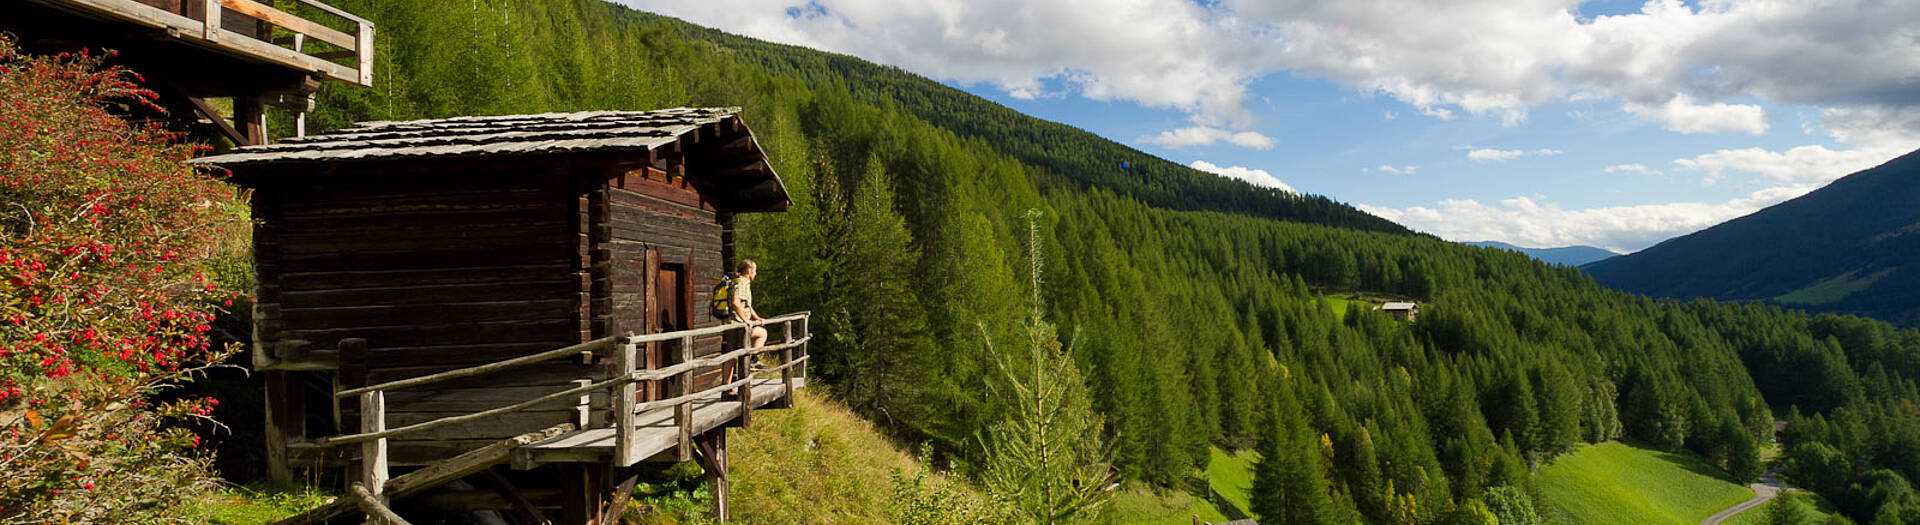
[
  {"x": 1852, "y": 247},
  {"x": 1567, "y": 255}
]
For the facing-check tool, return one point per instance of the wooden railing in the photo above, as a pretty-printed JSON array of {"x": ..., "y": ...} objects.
[
  {"x": 623, "y": 384},
  {"x": 291, "y": 50}
]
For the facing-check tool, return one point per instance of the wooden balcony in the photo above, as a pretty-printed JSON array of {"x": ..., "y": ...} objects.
[{"x": 333, "y": 44}]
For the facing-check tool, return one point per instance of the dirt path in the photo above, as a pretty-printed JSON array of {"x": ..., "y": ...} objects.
[{"x": 1764, "y": 490}]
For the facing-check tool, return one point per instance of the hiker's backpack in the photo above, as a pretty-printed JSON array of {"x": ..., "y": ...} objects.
[{"x": 722, "y": 305}]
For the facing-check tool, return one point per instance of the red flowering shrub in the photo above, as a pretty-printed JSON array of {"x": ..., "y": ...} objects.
[{"x": 105, "y": 235}]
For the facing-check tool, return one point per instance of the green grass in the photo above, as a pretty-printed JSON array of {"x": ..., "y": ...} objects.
[
  {"x": 1831, "y": 289},
  {"x": 1821, "y": 507},
  {"x": 256, "y": 503},
  {"x": 1338, "y": 303},
  {"x": 1231, "y": 475},
  {"x": 1139, "y": 504},
  {"x": 818, "y": 462},
  {"x": 1616, "y": 483}
]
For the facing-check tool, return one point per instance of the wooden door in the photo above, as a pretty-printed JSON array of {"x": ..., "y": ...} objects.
[{"x": 668, "y": 308}]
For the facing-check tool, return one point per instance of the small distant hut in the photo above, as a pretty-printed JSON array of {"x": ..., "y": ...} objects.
[
  {"x": 443, "y": 288},
  {"x": 1405, "y": 311}
]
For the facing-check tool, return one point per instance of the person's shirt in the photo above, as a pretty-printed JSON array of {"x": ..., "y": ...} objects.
[{"x": 744, "y": 291}]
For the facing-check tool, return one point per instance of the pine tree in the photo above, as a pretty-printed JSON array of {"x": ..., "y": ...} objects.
[
  {"x": 1287, "y": 483},
  {"x": 1046, "y": 457}
]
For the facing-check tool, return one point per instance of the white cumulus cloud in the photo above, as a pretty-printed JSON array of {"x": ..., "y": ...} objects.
[
  {"x": 1681, "y": 115},
  {"x": 1803, "y": 164},
  {"x": 1257, "y": 177},
  {"x": 1632, "y": 168},
  {"x": 1403, "y": 170},
  {"x": 1503, "y": 155},
  {"x": 1671, "y": 63},
  {"x": 1526, "y": 221},
  {"x": 1203, "y": 135}
]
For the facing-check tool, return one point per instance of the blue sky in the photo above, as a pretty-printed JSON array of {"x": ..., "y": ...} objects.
[{"x": 1535, "y": 122}]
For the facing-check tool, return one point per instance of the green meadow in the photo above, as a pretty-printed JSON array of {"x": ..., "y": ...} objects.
[{"x": 1618, "y": 483}]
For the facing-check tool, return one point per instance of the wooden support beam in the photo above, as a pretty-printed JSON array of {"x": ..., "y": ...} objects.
[
  {"x": 683, "y": 413},
  {"x": 285, "y": 422},
  {"x": 580, "y": 491},
  {"x": 713, "y": 459},
  {"x": 622, "y": 491},
  {"x": 625, "y": 452},
  {"x": 210, "y": 21},
  {"x": 745, "y": 367},
  {"x": 377, "y": 511},
  {"x": 373, "y": 454},
  {"x": 250, "y": 117},
  {"x": 583, "y": 405},
  {"x": 786, "y": 357},
  {"x": 219, "y": 122}
]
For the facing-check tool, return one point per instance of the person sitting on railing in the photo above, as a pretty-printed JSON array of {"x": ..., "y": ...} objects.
[{"x": 743, "y": 304}]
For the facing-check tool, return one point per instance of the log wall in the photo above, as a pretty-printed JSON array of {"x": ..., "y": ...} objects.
[
  {"x": 650, "y": 210},
  {"x": 435, "y": 275}
]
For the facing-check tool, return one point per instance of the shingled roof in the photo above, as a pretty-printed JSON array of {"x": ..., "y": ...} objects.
[
  {"x": 492, "y": 135},
  {"x": 730, "y": 158}
]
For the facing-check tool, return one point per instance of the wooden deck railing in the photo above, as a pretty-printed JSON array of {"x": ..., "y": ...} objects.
[
  {"x": 290, "y": 50},
  {"x": 623, "y": 386}
]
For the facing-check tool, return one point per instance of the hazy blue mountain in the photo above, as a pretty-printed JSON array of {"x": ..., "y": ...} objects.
[
  {"x": 1850, "y": 247},
  {"x": 1567, "y": 255}
]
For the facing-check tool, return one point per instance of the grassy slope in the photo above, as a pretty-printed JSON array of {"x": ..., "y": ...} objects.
[
  {"x": 819, "y": 463},
  {"x": 1616, "y": 483},
  {"x": 1141, "y": 505},
  {"x": 1821, "y": 507},
  {"x": 1232, "y": 476}
]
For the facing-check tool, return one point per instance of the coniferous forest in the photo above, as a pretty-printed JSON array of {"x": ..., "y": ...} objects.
[{"x": 1194, "y": 307}]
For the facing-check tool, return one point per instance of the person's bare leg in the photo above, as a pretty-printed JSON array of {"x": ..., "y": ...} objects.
[{"x": 759, "y": 336}]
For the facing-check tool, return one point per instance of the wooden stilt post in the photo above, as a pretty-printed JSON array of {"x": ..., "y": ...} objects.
[
  {"x": 580, "y": 492},
  {"x": 745, "y": 366},
  {"x": 250, "y": 119},
  {"x": 683, "y": 412},
  {"x": 373, "y": 454},
  {"x": 624, "y": 451},
  {"x": 713, "y": 456},
  {"x": 285, "y": 419},
  {"x": 786, "y": 357}
]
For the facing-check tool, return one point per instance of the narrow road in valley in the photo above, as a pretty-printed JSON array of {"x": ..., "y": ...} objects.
[{"x": 1763, "y": 491}]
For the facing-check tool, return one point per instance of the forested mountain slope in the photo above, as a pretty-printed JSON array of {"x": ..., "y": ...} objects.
[
  {"x": 1851, "y": 247},
  {"x": 1195, "y": 322},
  {"x": 1567, "y": 255}
]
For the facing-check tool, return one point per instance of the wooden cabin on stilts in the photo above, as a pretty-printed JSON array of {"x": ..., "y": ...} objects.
[{"x": 514, "y": 301}]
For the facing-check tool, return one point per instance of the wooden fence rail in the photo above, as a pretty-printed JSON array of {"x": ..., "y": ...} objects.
[{"x": 622, "y": 385}]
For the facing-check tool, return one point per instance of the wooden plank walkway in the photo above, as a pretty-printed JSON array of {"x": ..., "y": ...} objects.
[{"x": 657, "y": 433}]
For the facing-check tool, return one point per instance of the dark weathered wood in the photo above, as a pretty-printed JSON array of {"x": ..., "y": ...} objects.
[
  {"x": 249, "y": 116},
  {"x": 683, "y": 414},
  {"x": 487, "y": 368},
  {"x": 373, "y": 453},
  {"x": 624, "y": 452},
  {"x": 580, "y": 494},
  {"x": 462, "y": 501},
  {"x": 523, "y": 509},
  {"x": 220, "y": 123},
  {"x": 460, "y": 419},
  {"x": 493, "y": 331},
  {"x": 284, "y": 422},
  {"x": 374, "y": 506},
  {"x": 713, "y": 459},
  {"x": 467, "y": 463},
  {"x": 622, "y": 491},
  {"x": 786, "y": 358}
]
